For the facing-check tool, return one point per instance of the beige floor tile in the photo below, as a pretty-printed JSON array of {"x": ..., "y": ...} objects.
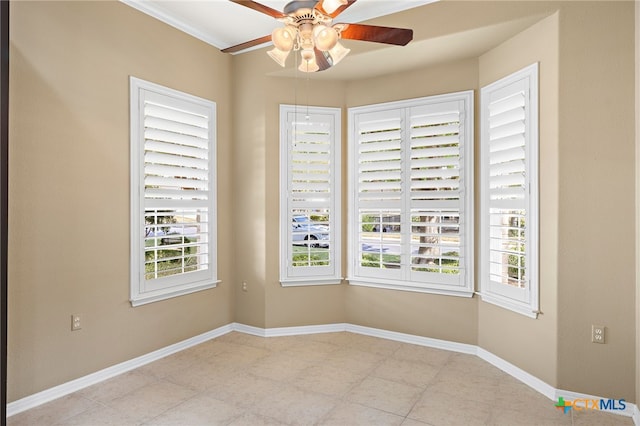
[
  {"x": 117, "y": 386},
  {"x": 386, "y": 395},
  {"x": 251, "y": 419},
  {"x": 471, "y": 364},
  {"x": 508, "y": 417},
  {"x": 197, "y": 411},
  {"x": 328, "y": 380},
  {"x": 278, "y": 366},
  {"x": 53, "y": 412},
  {"x": 295, "y": 406},
  {"x": 202, "y": 376},
  {"x": 356, "y": 414},
  {"x": 244, "y": 389},
  {"x": 236, "y": 356},
  {"x": 373, "y": 345},
  {"x": 355, "y": 360},
  {"x": 152, "y": 400},
  {"x": 600, "y": 418},
  {"x": 312, "y": 351},
  {"x": 168, "y": 365},
  {"x": 333, "y": 378},
  {"x": 408, "y": 372},
  {"x": 99, "y": 416},
  {"x": 466, "y": 385},
  {"x": 422, "y": 354},
  {"x": 411, "y": 422},
  {"x": 339, "y": 339},
  {"x": 437, "y": 409}
]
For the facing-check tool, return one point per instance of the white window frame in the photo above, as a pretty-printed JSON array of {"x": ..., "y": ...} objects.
[
  {"x": 329, "y": 119},
  {"x": 406, "y": 279},
  {"x": 143, "y": 291},
  {"x": 523, "y": 300}
]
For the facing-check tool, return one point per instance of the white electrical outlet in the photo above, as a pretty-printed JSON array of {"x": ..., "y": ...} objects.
[
  {"x": 244, "y": 286},
  {"x": 597, "y": 333},
  {"x": 75, "y": 322}
]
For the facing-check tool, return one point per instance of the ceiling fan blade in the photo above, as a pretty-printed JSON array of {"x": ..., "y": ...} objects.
[
  {"x": 388, "y": 35},
  {"x": 338, "y": 11},
  {"x": 260, "y": 8},
  {"x": 247, "y": 44}
]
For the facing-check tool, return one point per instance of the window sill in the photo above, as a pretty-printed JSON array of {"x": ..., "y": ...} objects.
[
  {"x": 309, "y": 282},
  {"x": 156, "y": 296},
  {"x": 368, "y": 282},
  {"x": 520, "y": 308}
]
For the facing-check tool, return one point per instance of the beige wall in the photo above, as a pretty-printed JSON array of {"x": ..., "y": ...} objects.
[
  {"x": 596, "y": 211},
  {"x": 440, "y": 317},
  {"x": 69, "y": 188},
  {"x": 531, "y": 344},
  {"x": 69, "y": 108}
]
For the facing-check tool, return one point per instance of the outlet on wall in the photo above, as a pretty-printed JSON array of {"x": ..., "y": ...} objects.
[
  {"x": 75, "y": 322},
  {"x": 597, "y": 333}
]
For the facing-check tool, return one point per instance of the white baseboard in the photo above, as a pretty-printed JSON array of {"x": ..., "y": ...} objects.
[
  {"x": 413, "y": 339},
  {"x": 516, "y": 372},
  {"x": 59, "y": 391}
]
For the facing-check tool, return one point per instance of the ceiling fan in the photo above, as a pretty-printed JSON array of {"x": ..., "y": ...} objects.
[{"x": 309, "y": 29}]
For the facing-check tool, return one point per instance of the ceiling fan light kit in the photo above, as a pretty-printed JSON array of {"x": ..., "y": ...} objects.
[{"x": 309, "y": 30}]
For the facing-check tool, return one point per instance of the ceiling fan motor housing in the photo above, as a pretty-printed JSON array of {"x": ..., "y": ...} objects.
[{"x": 304, "y": 6}]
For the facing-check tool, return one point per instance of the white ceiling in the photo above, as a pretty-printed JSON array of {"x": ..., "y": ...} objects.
[{"x": 223, "y": 24}]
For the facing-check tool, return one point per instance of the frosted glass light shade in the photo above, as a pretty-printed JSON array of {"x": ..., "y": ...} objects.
[
  {"x": 309, "y": 65},
  {"x": 338, "y": 52},
  {"x": 279, "y": 56},
  {"x": 283, "y": 38},
  {"x": 325, "y": 37},
  {"x": 330, "y": 6}
]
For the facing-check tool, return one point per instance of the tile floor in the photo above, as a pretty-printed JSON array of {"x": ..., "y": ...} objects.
[{"x": 338, "y": 379}]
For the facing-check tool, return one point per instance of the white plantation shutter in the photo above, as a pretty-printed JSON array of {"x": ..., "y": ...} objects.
[
  {"x": 379, "y": 196},
  {"x": 437, "y": 192},
  {"x": 310, "y": 196},
  {"x": 172, "y": 189},
  {"x": 411, "y": 167},
  {"x": 510, "y": 200}
]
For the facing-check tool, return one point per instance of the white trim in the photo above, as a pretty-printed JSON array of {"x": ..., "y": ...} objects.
[
  {"x": 149, "y": 9},
  {"x": 305, "y": 282},
  {"x": 330, "y": 120},
  {"x": 517, "y": 373},
  {"x": 524, "y": 301},
  {"x": 143, "y": 291},
  {"x": 413, "y": 339},
  {"x": 403, "y": 278},
  {"x": 59, "y": 391}
]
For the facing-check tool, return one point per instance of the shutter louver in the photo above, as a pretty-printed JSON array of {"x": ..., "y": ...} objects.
[
  {"x": 507, "y": 189},
  {"x": 310, "y": 164},
  {"x": 435, "y": 190},
  {"x": 509, "y": 144},
  {"x": 412, "y": 162},
  {"x": 380, "y": 188},
  {"x": 176, "y": 190}
]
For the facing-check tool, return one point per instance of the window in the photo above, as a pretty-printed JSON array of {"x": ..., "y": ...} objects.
[
  {"x": 509, "y": 206},
  {"x": 173, "y": 200},
  {"x": 310, "y": 196},
  {"x": 411, "y": 195}
]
